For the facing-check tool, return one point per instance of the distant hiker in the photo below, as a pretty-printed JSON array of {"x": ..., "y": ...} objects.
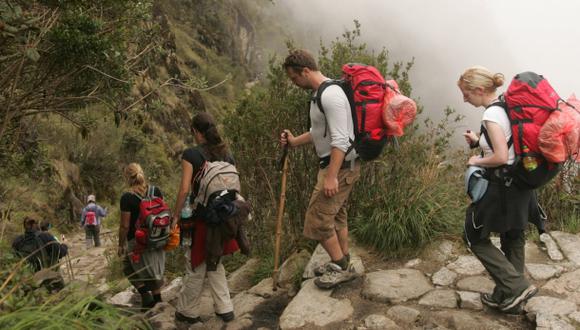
[
  {"x": 503, "y": 207},
  {"x": 331, "y": 133},
  {"x": 42, "y": 250},
  {"x": 146, "y": 273},
  {"x": 202, "y": 262},
  {"x": 91, "y": 218}
]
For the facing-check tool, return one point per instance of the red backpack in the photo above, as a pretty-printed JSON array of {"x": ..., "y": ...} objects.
[
  {"x": 153, "y": 226},
  {"x": 365, "y": 89},
  {"x": 90, "y": 218},
  {"x": 528, "y": 102}
]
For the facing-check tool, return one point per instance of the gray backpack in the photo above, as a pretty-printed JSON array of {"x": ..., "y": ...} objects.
[{"x": 215, "y": 179}]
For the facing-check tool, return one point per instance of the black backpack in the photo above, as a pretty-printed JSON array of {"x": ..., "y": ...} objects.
[{"x": 33, "y": 247}]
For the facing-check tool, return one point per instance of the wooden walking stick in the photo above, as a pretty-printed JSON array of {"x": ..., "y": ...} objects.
[{"x": 284, "y": 165}]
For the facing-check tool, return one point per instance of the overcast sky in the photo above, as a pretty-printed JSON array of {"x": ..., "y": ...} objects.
[{"x": 447, "y": 36}]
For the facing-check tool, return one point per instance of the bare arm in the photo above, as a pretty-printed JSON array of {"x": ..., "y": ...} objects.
[
  {"x": 123, "y": 230},
  {"x": 186, "y": 176},
  {"x": 293, "y": 141},
  {"x": 500, "y": 149}
]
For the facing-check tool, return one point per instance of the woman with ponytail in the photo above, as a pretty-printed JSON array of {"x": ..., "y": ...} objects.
[
  {"x": 501, "y": 207},
  {"x": 146, "y": 275},
  {"x": 210, "y": 147}
]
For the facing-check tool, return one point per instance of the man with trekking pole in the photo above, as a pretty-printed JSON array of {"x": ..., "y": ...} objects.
[{"x": 331, "y": 133}]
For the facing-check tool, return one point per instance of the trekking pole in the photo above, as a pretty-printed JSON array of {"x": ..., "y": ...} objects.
[
  {"x": 284, "y": 165},
  {"x": 70, "y": 268}
]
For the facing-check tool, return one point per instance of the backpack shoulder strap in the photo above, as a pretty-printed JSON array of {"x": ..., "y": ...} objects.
[
  {"x": 151, "y": 191},
  {"x": 499, "y": 103},
  {"x": 318, "y": 97}
]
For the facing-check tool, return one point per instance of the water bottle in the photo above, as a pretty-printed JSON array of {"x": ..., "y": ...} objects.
[
  {"x": 186, "y": 213},
  {"x": 530, "y": 162}
]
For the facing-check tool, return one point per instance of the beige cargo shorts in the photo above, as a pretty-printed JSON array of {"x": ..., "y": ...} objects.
[{"x": 325, "y": 215}]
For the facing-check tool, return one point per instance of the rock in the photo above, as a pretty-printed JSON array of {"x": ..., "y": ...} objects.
[
  {"x": 536, "y": 255},
  {"x": 541, "y": 272},
  {"x": 552, "y": 322},
  {"x": 476, "y": 283},
  {"x": 171, "y": 291},
  {"x": 439, "y": 252},
  {"x": 441, "y": 298},
  {"x": 567, "y": 286},
  {"x": 264, "y": 289},
  {"x": 162, "y": 316},
  {"x": 470, "y": 300},
  {"x": 466, "y": 265},
  {"x": 403, "y": 314},
  {"x": 553, "y": 250},
  {"x": 395, "y": 286},
  {"x": 240, "y": 323},
  {"x": 413, "y": 263},
  {"x": 314, "y": 307},
  {"x": 444, "y": 277},
  {"x": 241, "y": 278},
  {"x": 548, "y": 306},
  {"x": 496, "y": 241},
  {"x": 319, "y": 257},
  {"x": 127, "y": 298},
  {"x": 570, "y": 245},
  {"x": 246, "y": 302},
  {"x": 291, "y": 267},
  {"x": 463, "y": 320},
  {"x": 376, "y": 321},
  {"x": 575, "y": 317}
]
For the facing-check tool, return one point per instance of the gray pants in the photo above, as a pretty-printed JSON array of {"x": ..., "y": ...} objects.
[
  {"x": 189, "y": 298},
  {"x": 92, "y": 235},
  {"x": 507, "y": 268}
]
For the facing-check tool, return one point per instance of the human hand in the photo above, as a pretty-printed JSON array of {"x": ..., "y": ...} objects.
[
  {"x": 330, "y": 186},
  {"x": 287, "y": 138},
  {"x": 470, "y": 137}
]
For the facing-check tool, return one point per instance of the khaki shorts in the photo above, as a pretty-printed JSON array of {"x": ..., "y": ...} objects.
[{"x": 325, "y": 215}]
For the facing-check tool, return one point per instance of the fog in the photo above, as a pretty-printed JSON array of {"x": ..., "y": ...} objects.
[{"x": 447, "y": 36}]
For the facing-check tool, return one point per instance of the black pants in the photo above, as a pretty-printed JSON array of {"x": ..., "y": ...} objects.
[
  {"x": 507, "y": 268},
  {"x": 138, "y": 279},
  {"x": 92, "y": 234}
]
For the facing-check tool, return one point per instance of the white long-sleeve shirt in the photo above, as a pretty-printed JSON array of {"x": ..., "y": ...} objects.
[{"x": 339, "y": 120}]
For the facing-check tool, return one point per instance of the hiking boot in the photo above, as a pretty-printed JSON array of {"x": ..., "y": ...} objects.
[
  {"x": 510, "y": 303},
  {"x": 334, "y": 275},
  {"x": 321, "y": 269},
  {"x": 487, "y": 300},
  {"x": 186, "y": 319},
  {"x": 147, "y": 301},
  {"x": 226, "y": 317}
]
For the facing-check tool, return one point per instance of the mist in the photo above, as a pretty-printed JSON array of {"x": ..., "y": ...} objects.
[{"x": 447, "y": 36}]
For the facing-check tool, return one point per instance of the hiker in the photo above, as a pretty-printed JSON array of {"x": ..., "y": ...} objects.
[
  {"x": 331, "y": 133},
  {"x": 146, "y": 275},
  {"x": 210, "y": 147},
  {"x": 42, "y": 250},
  {"x": 502, "y": 207},
  {"x": 91, "y": 218}
]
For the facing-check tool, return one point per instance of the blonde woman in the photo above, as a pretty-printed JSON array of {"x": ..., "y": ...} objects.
[
  {"x": 504, "y": 208},
  {"x": 146, "y": 275}
]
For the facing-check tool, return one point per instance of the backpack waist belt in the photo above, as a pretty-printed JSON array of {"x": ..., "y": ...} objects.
[{"x": 325, "y": 161}]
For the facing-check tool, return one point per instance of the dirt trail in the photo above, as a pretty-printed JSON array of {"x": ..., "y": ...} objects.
[{"x": 89, "y": 265}]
